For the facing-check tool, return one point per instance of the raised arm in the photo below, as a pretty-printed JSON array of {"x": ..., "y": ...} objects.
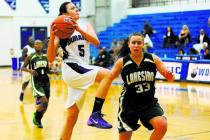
[
  {"x": 163, "y": 69},
  {"x": 52, "y": 47},
  {"x": 90, "y": 35}
]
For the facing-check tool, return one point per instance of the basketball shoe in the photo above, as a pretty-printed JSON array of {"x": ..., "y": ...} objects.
[
  {"x": 21, "y": 96},
  {"x": 36, "y": 121},
  {"x": 96, "y": 120}
]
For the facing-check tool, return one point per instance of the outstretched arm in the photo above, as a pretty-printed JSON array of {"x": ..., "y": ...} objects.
[
  {"x": 163, "y": 69},
  {"x": 90, "y": 35},
  {"x": 52, "y": 47}
]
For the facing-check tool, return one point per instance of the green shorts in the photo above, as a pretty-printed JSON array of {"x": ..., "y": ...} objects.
[{"x": 40, "y": 88}]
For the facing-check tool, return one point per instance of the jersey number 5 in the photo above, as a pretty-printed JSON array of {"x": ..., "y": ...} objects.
[{"x": 81, "y": 50}]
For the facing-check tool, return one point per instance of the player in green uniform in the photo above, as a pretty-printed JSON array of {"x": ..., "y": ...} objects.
[{"x": 40, "y": 81}]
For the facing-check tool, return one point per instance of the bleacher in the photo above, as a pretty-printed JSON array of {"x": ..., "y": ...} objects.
[{"x": 134, "y": 23}]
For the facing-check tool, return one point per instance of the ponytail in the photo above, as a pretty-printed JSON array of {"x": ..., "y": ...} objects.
[
  {"x": 125, "y": 50},
  {"x": 63, "y": 8}
]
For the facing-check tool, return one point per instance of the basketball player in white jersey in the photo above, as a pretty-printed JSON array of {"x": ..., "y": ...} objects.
[
  {"x": 77, "y": 73},
  {"x": 27, "y": 50}
]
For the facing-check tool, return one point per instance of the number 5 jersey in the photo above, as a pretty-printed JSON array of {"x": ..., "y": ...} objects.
[{"x": 76, "y": 47}]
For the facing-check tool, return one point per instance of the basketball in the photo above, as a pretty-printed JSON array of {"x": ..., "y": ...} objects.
[{"x": 63, "y": 26}]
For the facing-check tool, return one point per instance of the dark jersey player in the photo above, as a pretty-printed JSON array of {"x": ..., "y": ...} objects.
[
  {"x": 137, "y": 100},
  {"x": 39, "y": 80}
]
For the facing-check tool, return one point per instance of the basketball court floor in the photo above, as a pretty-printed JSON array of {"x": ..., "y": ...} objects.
[{"x": 186, "y": 105}]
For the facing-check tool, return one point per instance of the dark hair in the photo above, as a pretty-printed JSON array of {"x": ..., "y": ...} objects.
[
  {"x": 30, "y": 41},
  {"x": 135, "y": 34},
  {"x": 63, "y": 8},
  {"x": 172, "y": 32},
  {"x": 125, "y": 50},
  {"x": 182, "y": 51}
]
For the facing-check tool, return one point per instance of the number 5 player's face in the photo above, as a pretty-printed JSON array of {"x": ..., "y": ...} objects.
[{"x": 72, "y": 11}]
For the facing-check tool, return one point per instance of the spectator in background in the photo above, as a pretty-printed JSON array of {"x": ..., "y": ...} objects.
[
  {"x": 115, "y": 55},
  {"x": 55, "y": 67},
  {"x": 147, "y": 32},
  {"x": 148, "y": 29},
  {"x": 115, "y": 44},
  {"x": 103, "y": 58},
  {"x": 181, "y": 51},
  {"x": 114, "y": 47},
  {"x": 207, "y": 53},
  {"x": 184, "y": 36},
  {"x": 122, "y": 42},
  {"x": 202, "y": 42},
  {"x": 45, "y": 45},
  {"x": 147, "y": 43},
  {"x": 115, "y": 50},
  {"x": 169, "y": 38},
  {"x": 112, "y": 57},
  {"x": 203, "y": 37}
]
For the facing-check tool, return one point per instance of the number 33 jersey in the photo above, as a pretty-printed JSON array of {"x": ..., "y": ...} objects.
[
  {"x": 139, "y": 80},
  {"x": 76, "y": 47}
]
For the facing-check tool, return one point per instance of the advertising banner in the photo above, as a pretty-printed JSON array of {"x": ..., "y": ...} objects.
[{"x": 199, "y": 72}]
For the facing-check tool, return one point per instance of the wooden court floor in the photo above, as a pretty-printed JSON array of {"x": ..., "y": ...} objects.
[{"x": 186, "y": 105}]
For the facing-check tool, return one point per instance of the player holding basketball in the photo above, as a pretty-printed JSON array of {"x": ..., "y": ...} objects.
[
  {"x": 76, "y": 72},
  {"x": 137, "y": 101},
  {"x": 39, "y": 80}
]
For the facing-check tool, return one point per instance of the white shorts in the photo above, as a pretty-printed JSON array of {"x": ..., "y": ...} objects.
[
  {"x": 75, "y": 96},
  {"x": 78, "y": 78},
  {"x": 198, "y": 47}
]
